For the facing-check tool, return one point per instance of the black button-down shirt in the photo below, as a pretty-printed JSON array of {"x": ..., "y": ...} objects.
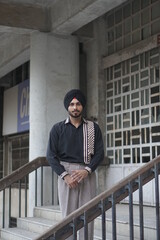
[{"x": 66, "y": 144}]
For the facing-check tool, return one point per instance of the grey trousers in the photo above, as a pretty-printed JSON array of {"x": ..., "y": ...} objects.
[{"x": 71, "y": 199}]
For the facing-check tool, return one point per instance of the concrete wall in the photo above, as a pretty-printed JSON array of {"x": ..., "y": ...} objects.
[
  {"x": 10, "y": 111},
  {"x": 115, "y": 174}
]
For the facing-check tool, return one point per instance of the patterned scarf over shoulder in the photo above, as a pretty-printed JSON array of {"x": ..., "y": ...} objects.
[{"x": 88, "y": 140}]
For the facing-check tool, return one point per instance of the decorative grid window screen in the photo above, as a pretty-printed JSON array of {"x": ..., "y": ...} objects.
[
  {"x": 133, "y": 109},
  {"x": 19, "y": 151},
  {"x": 130, "y": 23}
]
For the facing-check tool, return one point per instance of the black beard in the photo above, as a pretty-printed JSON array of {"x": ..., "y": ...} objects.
[{"x": 75, "y": 116}]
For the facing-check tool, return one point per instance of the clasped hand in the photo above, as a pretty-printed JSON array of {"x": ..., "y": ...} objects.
[{"x": 76, "y": 177}]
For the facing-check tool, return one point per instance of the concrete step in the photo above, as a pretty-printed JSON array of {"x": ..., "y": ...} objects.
[
  {"x": 122, "y": 216},
  {"x": 47, "y": 216},
  {"x": 98, "y": 236},
  {"x": 48, "y": 212},
  {"x": 30, "y": 227},
  {"x": 123, "y": 231},
  {"x": 17, "y": 234},
  {"x": 35, "y": 224}
]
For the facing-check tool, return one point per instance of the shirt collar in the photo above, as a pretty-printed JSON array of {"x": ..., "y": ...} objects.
[{"x": 68, "y": 120}]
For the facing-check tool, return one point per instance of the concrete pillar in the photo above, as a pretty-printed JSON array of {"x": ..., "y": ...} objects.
[
  {"x": 99, "y": 30},
  {"x": 95, "y": 49},
  {"x": 54, "y": 69}
]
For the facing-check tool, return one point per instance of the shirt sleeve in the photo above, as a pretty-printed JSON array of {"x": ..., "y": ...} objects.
[
  {"x": 52, "y": 150},
  {"x": 98, "y": 149}
]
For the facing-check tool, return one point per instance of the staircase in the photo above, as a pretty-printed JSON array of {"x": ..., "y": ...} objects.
[
  {"x": 44, "y": 217},
  {"x": 113, "y": 219},
  {"x": 31, "y": 227}
]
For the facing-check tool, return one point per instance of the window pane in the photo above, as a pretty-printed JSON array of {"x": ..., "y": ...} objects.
[
  {"x": 144, "y": 74},
  {"x": 155, "y": 28},
  {"x": 136, "y": 36},
  {"x": 145, "y": 17},
  {"x": 118, "y": 16},
  {"x": 119, "y": 45},
  {"x": 145, "y": 32},
  {"x": 144, "y": 83},
  {"x": 127, "y": 11},
  {"x": 110, "y": 20},
  {"x": 135, "y": 6},
  {"x": 145, "y": 3},
  {"x": 111, "y": 36},
  {"x": 127, "y": 26},
  {"x": 110, "y": 49},
  {"x": 119, "y": 31},
  {"x": 155, "y": 11},
  {"x": 135, "y": 21},
  {"x": 152, "y": 1},
  {"x": 127, "y": 41}
]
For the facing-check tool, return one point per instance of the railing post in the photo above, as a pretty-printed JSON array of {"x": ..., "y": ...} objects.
[
  {"x": 41, "y": 186},
  {"x": 156, "y": 170},
  {"x": 9, "y": 212},
  {"x": 75, "y": 229},
  {"x": 85, "y": 226},
  {"x": 55, "y": 189},
  {"x": 131, "y": 211},
  {"x": 141, "y": 207},
  {"x": 36, "y": 187},
  {"x": 114, "y": 229},
  {"x": 3, "y": 210},
  {"x": 26, "y": 196},
  {"x": 102, "y": 206},
  {"x": 19, "y": 198},
  {"x": 52, "y": 188}
]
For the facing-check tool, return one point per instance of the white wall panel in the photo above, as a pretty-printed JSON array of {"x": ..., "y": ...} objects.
[{"x": 10, "y": 111}]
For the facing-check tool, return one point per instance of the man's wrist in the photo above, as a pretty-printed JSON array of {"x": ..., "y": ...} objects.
[
  {"x": 65, "y": 173},
  {"x": 88, "y": 169}
]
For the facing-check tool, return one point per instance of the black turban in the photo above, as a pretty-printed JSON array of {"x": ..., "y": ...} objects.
[{"x": 74, "y": 93}]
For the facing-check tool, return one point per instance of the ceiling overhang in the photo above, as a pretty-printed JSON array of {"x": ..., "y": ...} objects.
[{"x": 59, "y": 16}]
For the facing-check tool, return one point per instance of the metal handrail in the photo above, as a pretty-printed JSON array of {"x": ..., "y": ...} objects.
[
  {"x": 22, "y": 172},
  {"x": 108, "y": 199},
  {"x": 16, "y": 177},
  {"x": 100, "y": 204}
]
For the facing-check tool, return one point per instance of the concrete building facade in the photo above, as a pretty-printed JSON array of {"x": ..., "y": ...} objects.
[{"x": 109, "y": 49}]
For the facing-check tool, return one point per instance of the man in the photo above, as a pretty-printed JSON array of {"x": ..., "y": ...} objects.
[{"x": 75, "y": 149}]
